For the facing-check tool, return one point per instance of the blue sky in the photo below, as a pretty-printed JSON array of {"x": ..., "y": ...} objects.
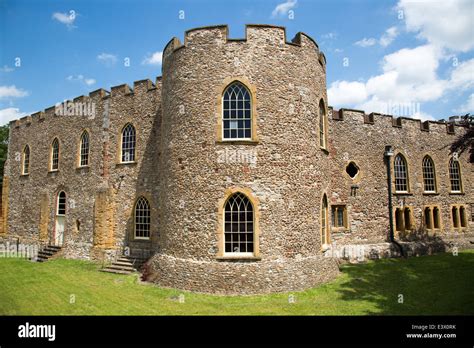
[{"x": 379, "y": 53}]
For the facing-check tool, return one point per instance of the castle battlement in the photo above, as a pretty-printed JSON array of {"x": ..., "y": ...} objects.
[
  {"x": 261, "y": 34},
  {"x": 140, "y": 88},
  {"x": 402, "y": 122}
]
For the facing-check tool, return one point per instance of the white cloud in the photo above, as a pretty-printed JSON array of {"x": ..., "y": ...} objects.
[
  {"x": 366, "y": 42},
  {"x": 462, "y": 76},
  {"x": 283, "y": 8},
  {"x": 12, "y": 92},
  {"x": 153, "y": 59},
  {"x": 66, "y": 18},
  {"x": 389, "y": 35},
  {"x": 446, "y": 24},
  {"x": 89, "y": 82},
  {"x": 82, "y": 79},
  {"x": 107, "y": 58},
  {"x": 467, "y": 107},
  {"x": 6, "y": 69},
  {"x": 423, "y": 116},
  {"x": 346, "y": 93},
  {"x": 385, "y": 40},
  {"x": 329, "y": 36},
  {"x": 10, "y": 114},
  {"x": 409, "y": 77}
]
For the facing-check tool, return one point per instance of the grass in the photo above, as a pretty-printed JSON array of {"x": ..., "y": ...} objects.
[{"x": 431, "y": 285}]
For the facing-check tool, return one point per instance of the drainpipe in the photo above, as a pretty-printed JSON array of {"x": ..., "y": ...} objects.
[{"x": 388, "y": 155}]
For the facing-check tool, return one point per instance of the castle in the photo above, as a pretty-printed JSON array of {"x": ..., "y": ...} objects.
[{"x": 230, "y": 173}]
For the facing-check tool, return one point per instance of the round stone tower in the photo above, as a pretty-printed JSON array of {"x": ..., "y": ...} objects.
[{"x": 280, "y": 167}]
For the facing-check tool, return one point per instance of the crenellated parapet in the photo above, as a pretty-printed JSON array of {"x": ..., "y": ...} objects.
[
  {"x": 256, "y": 34},
  {"x": 403, "y": 123},
  {"x": 84, "y": 102}
]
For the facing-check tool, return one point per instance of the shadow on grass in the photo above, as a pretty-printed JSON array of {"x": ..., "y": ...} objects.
[{"x": 426, "y": 285}]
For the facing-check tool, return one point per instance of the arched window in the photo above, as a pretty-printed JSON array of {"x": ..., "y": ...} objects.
[
  {"x": 401, "y": 174},
  {"x": 428, "y": 218},
  {"x": 455, "y": 175},
  {"x": 239, "y": 224},
  {"x": 455, "y": 216},
  {"x": 324, "y": 222},
  {"x": 26, "y": 161},
  {"x": 436, "y": 219},
  {"x": 84, "y": 155},
  {"x": 462, "y": 216},
  {"x": 237, "y": 112},
  {"x": 54, "y": 161},
  {"x": 399, "y": 223},
  {"x": 142, "y": 219},
  {"x": 429, "y": 176},
  {"x": 407, "y": 219},
  {"x": 322, "y": 124},
  {"x": 128, "y": 143}
]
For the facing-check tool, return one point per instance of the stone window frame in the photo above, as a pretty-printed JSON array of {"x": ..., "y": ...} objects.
[
  {"x": 219, "y": 111},
  {"x": 79, "y": 152},
  {"x": 323, "y": 121},
  {"x": 221, "y": 254},
  {"x": 325, "y": 232},
  {"x": 25, "y": 161},
  {"x": 56, "y": 212},
  {"x": 460, "y": 217},
  {"x": 120, "y": 144},
  {"x": 407, "y": 168},
  {"x": 135, "y": 205},
  {"x": 423, "y": 172},
  {"x": 335, "y": 208},
  {"x": 404, "y": 209},
  {"x": 51, "y": 154},
  {"x": 431, "y": 227},
  {"x": 461, "y": 186},
  {"x": 360, "y": 173}
]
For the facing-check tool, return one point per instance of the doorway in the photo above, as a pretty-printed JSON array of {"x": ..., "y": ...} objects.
[{"x": 60, "y": 219}]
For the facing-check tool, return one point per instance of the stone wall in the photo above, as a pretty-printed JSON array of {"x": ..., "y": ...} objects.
[
  {"x": 99, "y": 196},
  {"x": 354, "y": 140},
  {"x": 187, "y": 172}
]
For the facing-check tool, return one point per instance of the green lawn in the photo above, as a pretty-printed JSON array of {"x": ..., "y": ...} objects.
[{"x": 440, "y": 284}]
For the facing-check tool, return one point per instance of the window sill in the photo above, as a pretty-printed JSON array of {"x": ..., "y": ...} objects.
[
  {"x": 403, "y": 194},
  {"x": 142, "y": 239},
  {"x": 83, "y": 169},
  {"x": 325, "y": 150},
  {"x": 456, "y": 193},
  {"x": 238, "y": 258},
  {"x": 430, "y": 193},
  {"x": 53, "y": 171},
  {"x": 24, "y": 175},
  {"x": 340, "y": 229},
  {"x": 124, "y": 164},
  {"x": 237, "y": 142}
]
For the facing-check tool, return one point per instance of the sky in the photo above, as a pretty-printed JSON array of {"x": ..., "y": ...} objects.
[{"x": 405, "y": 58}]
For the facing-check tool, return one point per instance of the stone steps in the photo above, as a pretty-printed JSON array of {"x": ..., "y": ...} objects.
[
  {"x": 47, "y": 253},
  {"x": 125, "y": 265}
]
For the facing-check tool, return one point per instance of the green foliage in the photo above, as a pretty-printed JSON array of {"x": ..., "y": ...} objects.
[
  {"x": 465, "y": 142},
  {"x": 431, "y": 285}
]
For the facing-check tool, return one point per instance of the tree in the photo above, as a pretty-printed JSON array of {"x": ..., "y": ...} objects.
[
  {"x": 465, "y": 141},
  {"x": 3, "y": 149}
]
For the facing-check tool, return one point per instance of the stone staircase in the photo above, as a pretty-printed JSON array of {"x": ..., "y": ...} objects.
[
  {"x": 47, "y": 252},
  {"x": 125, "y": 265}
]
